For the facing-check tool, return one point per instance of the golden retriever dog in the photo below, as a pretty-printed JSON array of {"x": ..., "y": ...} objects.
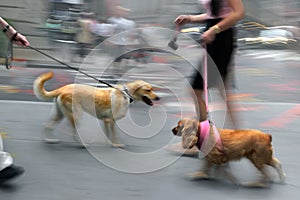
[
  {"x": 220, "y": 146},
  {"x": 107, "y": 104}
]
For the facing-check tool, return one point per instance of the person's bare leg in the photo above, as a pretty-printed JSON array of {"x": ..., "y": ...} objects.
[
  {"x": 230, "y": 109},
  {"x": 226, "y": 95},
  {"x": 200, "y": 105},
  {"x": 202, "y": 114}
]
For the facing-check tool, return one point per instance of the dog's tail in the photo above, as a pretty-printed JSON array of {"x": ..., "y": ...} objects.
[{"x": 39, "y": 90}]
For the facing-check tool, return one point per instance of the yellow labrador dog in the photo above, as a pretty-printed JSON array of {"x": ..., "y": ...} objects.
[{"x": 107, "y": 104}]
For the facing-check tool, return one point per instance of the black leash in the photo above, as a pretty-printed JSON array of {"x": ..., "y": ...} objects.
[
  {"x": 70, "y": 67},
  {"x": 10, "y": 53},
  {"x": 9, "y": 57}
]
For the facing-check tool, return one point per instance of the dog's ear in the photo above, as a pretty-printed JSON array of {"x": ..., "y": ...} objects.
[
  {"x": 189, "y": 132},
  {"x": 186, "y": 126},
  {"x": 136, "y": 85},
  {"x": 189, "y": 140},
  {"x": 178, "y": 129},
  {"x": 189, "y": 126}
]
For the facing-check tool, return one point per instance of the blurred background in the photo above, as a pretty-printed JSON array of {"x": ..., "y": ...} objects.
[
  {"x": 266, "y": 85},
  {"x": 69, "y": 29},
  {"x": 53, "y": 24}
]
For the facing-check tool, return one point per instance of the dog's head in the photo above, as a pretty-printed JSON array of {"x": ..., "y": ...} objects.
[
  {"x": 187, "y": 128},
  {"x": 142, "y": 91}
]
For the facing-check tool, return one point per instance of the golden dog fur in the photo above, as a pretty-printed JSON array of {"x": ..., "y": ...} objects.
[
  {"x": 107, "y": 104},
  {"x": 235, "y": 144}
]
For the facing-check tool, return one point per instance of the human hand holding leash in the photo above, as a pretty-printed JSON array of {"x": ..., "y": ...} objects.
[
  {"x": 13, "y": 35},
  {"x": 208, "y": 36},
  {"x": 182, "y": 20},
  {"x": 21, "y": 40}
]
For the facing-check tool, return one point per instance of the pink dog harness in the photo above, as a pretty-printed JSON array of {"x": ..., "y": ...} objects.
[{"x": 203, "y": 137}]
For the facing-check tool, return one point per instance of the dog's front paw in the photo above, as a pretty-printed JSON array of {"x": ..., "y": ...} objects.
[
  {"x": 51, "y": 140},
  {"x": 115, "y": 142},
  {"x": 81, "y": 142},
  {"x": 118, "y": 145},
  {"x": 283, "y": 179},
  {"x": 50, "y": 125},
  {"x": 198, "y": 175},
  {"x": 257, "y": 184},
  {"x": 178, "y": 149}
]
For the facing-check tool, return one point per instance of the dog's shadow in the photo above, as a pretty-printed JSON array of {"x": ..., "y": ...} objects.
[
  {"x": 218, "y": 178},
  {"x": 9, "y": 187},
  {"x": 224, "y": 184},
  {"x": 212, "y": 182}
]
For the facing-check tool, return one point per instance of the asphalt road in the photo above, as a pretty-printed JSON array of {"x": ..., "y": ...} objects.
[{"x": 267, "y": 99}]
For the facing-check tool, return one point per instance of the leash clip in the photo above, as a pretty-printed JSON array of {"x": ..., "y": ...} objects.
[
  {"x": 9, "y": 56},
  {"x": 127, "y": 94}
]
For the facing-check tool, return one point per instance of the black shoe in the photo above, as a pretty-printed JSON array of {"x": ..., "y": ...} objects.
[{"x": 10, "y": 172}]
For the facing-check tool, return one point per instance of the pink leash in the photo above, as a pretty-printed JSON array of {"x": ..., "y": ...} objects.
[
  {"x": 206, "y": 123},
  {"x": 204, "y": 71}
]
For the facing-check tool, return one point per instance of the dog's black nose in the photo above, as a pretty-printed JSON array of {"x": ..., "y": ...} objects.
[
  {"x": 175, "y": 130},
  {"x": 157, "y": 98}
]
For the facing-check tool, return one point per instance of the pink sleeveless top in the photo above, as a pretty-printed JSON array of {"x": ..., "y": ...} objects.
[{"x": 225, "y": 9}]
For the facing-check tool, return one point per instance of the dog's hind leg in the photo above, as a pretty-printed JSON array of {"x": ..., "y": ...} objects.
[
  {"x": 261, "y": 166},
  {"x": 56, "y": 117},
  {"x": 225, "y": 170},
  {"x": 74, "y": 117},
  {"x": 73, "y": 111},
  {"x": 276, "y": 164}
]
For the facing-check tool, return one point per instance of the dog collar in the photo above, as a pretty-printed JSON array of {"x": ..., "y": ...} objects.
[
  {"x": 203, "y": 133},
  {"x": 127, "y": 94},
  {"x": 203, "y": 137}
]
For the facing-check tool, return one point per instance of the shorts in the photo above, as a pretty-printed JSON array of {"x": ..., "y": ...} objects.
[{"x": 220, "y": 53}]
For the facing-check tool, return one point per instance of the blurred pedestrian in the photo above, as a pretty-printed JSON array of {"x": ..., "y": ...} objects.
[
  {"x": 85, "y": 36},
  {"x": 120, "y": 19},
  {"x": 124, "y": 39},
  {"x": 220, "y": 17},
  {"x": 7, "y": 169},
  {"x": 110, "y": 7}
]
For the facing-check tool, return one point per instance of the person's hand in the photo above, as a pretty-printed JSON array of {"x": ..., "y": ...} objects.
[
  {"x": 208, "y": 36},
  {"x": 182, "y": 20},
  {"x": 21, "y": 40}
]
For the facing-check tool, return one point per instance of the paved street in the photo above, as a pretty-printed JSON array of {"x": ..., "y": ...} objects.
[{"x": 267, "y": 99}]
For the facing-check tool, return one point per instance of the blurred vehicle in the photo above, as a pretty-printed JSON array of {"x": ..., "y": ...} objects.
[
  {"x": 270, "y": 38},
  {"x": 193, "y": 32},
  {"x": 62, "y": 21}
]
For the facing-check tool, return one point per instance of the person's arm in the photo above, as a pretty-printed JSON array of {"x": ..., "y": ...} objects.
[
  {"x": 238, "y": 12},
  {"x": 184, "y": 19},
  {"x": 11, "y": 33}
]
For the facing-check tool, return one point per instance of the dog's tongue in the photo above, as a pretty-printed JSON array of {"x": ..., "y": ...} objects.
[{"x": 147, "y": 101}]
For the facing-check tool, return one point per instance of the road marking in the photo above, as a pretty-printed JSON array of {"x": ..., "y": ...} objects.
[
  {"x": 25, "y": 102},
  {"x": 277, "y": 55},
  {"x": 3, "y": 135},
  {"x": 291, "y": 86},
  {"x": 9, "y": 89},
  {"x": 284, "y": 118}
]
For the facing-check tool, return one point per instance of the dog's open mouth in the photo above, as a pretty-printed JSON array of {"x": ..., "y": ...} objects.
[{"x": 147, "y": 101}]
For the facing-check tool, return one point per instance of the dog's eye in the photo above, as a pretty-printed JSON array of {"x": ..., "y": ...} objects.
[{"x": 148, "y": 90}]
